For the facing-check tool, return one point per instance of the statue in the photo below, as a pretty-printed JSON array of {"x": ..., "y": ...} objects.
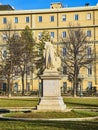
[{"x": 51, "y": 60}]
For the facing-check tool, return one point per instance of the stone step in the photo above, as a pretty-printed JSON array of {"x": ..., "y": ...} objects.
[
  {"x": 51, "y": 104},
  {"x": 51, "y": 107},
  {"x": 56, "y": 102},
  {"x": 51, "y": 98}
]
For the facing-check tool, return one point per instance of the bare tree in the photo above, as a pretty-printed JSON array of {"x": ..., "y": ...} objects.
[
  {"x": 7, "y": 73},
  {"x": 23, "y": 53},
  {"x": 17, "y": 53},
  {"x": 75, "y": 56},
  {"x": 6, "y": 63}
]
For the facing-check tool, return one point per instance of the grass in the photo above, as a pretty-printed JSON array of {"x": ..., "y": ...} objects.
[
  {"x": 70, "y": 114},
  {"x": 49, "y": 125},
  {"x": 81, "y": 102},
  {"x": 18, "y": 102},
  {"x": 32, "y": 102}
]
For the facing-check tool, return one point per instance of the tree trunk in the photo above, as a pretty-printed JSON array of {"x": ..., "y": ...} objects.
[
  {"x": 22, "y": 84},
  {"x": 26, "y": 77},
  {"x": 9, "y": 87},
  {"x": 75, "y": 85}
]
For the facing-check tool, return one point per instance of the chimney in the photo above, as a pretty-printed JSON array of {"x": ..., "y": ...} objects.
[
  {"x": 56, "y": 5},
  {"x": 87, "y": 4}
]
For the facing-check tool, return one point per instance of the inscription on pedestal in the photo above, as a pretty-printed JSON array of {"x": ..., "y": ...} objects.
[{"x": 51, "y": 88}]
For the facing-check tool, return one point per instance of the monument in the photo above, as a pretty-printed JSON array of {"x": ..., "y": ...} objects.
[{"x": 51, "y": 99}]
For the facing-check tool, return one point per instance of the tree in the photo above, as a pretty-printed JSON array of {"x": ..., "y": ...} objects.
[
  {"x": 28, "y": 53},
  {"x": 7, "y": 73},
  {"x": 23, "y": 53},
  {"x": 17, "y": 55},
  {"x": 75, "y": 56},
  {"x": 45, "y": 36},
  {"x": 7, "y": 64}
]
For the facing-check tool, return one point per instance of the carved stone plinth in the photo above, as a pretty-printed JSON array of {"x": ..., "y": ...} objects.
[{"x": 51, "y": 99}]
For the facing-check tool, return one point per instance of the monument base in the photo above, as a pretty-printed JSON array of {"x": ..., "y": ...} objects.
[
  {"x": 51, "y": 99},
  {"x": 51, "y": 104}
]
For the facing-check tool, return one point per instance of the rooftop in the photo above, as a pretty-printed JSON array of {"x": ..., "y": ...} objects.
[{"x": 6, "y": 7}]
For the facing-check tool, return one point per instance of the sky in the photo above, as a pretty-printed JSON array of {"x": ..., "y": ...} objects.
[{"x": 44, "y": 4}]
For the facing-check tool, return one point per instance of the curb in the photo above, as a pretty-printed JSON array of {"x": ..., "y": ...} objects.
[{"x": 45, "y": 119}]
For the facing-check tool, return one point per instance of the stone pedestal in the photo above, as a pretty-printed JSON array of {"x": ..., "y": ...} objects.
[{"x": 51, "y": 99}]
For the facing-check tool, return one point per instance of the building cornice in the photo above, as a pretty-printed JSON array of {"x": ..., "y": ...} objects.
[
  {"x": 41, "y": 11},
  {"x": 49, "y": 28}
]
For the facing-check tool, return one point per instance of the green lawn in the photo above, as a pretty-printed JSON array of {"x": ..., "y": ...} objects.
[
  {"x": 70, "y": 114},
  {"x": 70, "y": 102},
  {"x": 81, "y": 102},
  {"x": 49, "y": 125},
  {"x": 32, "y": 102},
  {"x": 18, "y": 102}
]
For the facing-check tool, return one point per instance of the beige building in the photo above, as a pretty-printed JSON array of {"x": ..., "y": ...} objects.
[{"x": 55, "y": 20}]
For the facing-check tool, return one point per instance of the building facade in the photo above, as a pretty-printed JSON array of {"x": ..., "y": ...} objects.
[{"x": 55, "y": 20}]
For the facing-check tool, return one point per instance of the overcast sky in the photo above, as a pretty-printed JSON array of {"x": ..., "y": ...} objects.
[{"x": 42, "y": 4}]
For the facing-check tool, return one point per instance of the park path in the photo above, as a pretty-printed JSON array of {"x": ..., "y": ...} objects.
[{"x": 45, "y": 119}]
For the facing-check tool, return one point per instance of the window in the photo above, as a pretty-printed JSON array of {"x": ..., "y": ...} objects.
[
  {"x": 89, "y": 85},
  {"x": 4, "y": 37},
  {"x": 64, "y": 70},
  {"x": 89, "y": 33},
  {"x": 39, "y": 35},
  {"x": 52, "y": 18},
  {"x": 28, "y": 70},
  {"x": 4, "y": 86},
  {"x": 16, "y": 19},
  {"x": 88, "y": 16},
  {"x": 28, "y": 86},
  {"x": 4, "y": 20},
  {"x": 63, "y": 17},
  {"x": 16, "y": 35},
  {"x": 89, "y": 70},
  {"x": 76, "y": 33},
  {"x": 63, "y": 34},
  {"x": 4, "y": 54},
  {"x": 52, "y": 34},
  {"x": 64, "y": 87},
  {"x": 64, "y": 51},
  {"x": 76, "y": 17},
  {"x": 40, "y": 18},
  {"x": 27, "y": 20},
  {"x": 39, "y": 51},
  {"x": 89, "y": 51},
  {"x": 16, "y": 87}
]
